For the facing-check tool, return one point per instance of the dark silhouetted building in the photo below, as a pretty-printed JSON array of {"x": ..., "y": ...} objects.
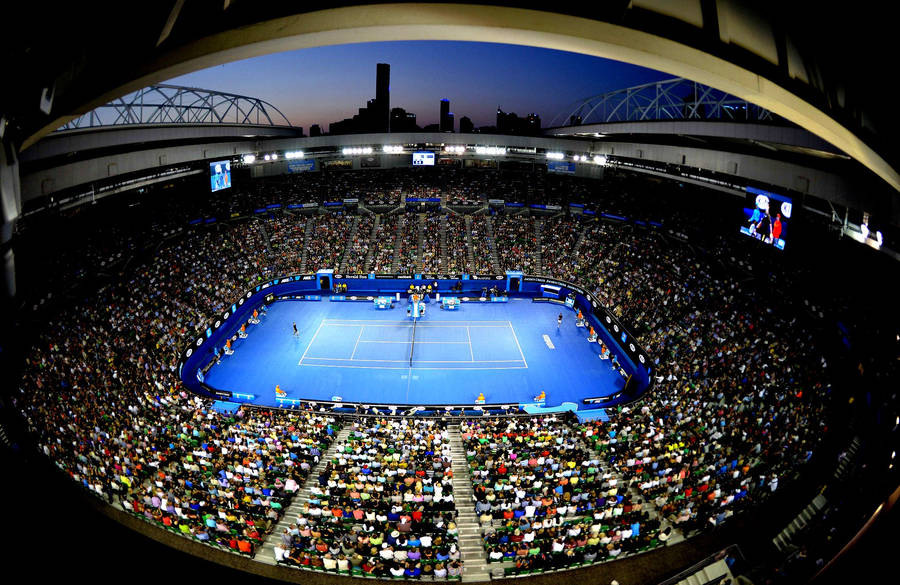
[
  {"x": 381, "y": 118},
  {"x": 465, "y": 125},
  {"x": 375, "y": 117},
  {"x": 510, "y": 123},
  {"x": 446, "y": 116},
  {"x": 432, "y": 128},
  {"x": 314, "y": 131},
  {"x": 403, "y": 121}
]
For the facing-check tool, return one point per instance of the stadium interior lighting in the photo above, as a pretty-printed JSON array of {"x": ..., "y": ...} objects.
[
  {"x": 357, "y": 150},
  {"x": 294, "y": 154},
  {"x": 268, "y": 157},
  {"x": 274, "y": 156},
  {"x": 392, "y": 149},
  {"x": 599, "y": 160},
  {"x": 555, "y": 155},
  {"x": 248, "y": 159},
  {"x": 454, "y": 149},
  {"x": 490, "y": 150}
]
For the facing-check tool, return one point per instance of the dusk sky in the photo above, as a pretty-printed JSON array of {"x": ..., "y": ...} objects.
[{"x": 323, "y": 85}]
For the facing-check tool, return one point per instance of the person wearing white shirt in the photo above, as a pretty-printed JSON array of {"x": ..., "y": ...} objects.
[{"x": 329, "y": 562}]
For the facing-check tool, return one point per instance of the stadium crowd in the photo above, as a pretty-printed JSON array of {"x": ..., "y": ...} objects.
[
  {"x": 548, "y": 500},
  {"x": 383, "y": 505},
  {"x": 738, "y": 404}
]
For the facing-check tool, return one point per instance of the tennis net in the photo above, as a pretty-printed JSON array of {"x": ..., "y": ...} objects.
[{"x": 412, "y": 343}]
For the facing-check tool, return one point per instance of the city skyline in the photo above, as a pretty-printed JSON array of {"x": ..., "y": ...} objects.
[{"x": 328, "y": 84}]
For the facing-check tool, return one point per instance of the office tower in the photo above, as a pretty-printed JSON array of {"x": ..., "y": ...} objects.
[
  {"x": 446, "y": 122},
  {"x": 382, "y": 106}
]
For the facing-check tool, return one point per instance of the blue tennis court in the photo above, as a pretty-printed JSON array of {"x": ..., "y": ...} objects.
[
  {"x": 425, "y": 345},
  {"x": 510, "y": 352}
]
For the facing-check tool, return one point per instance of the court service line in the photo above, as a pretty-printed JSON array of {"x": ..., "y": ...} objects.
[
  {"x": 403, "y": 322},
  {"x": 331, "y": 359},
  {"x": 516, "y": 337},
  {"x": 414, "y": 367},
  {"x": 408, "y": 342},
  {"x": 469, "y": 337},
  {"x": 361, "y": 329},
  {"x": 405, "y": 326},
  {"x": 322, "y": 322}
]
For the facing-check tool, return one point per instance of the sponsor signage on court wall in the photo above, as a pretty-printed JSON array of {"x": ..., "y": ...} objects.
[{"x": 496, "y": 201}]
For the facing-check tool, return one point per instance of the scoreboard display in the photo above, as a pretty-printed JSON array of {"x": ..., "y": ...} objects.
[
  {"x": 220, "y": 175},
  {"x": 423, "y": 159}
]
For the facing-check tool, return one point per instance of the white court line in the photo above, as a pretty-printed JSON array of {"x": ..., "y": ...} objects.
[
  {"x": 445, "y": 369},
  {"x": 408, "y": 342},
  {"x": 311, "y": 342},
  {"x": 402, "y": 322},
  {"x": 405, "y": 326},
  {"x": 361, "y": 329},
  {"x": 469, "y": 337},
  {"x": 516, "y": 337},
  {"x": 331, "y": 359}
]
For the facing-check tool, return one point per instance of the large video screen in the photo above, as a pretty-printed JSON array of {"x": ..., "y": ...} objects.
[
  {"x": 423, "y": 159},
  {"x": 766, "y": 217},
  {"x": 220, "y": 175}
]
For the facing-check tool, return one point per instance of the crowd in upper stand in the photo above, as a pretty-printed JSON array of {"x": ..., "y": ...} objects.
[
  {"x": 358, "y": 249},
  {"x": 328, "y": 241},
  {"x": 738, "y": 403},
  {"x": 430, "y": 262},
  {"x": 382, "y": 506},
  {"x": 516, "y": 238},
  {"x": 457, "y": 248},
  {"x": 384, "y": 244},
  {"x": 482, "y": 245},
  {"x": 408, "y": 243},
  {"x": 559, "y": 236}
]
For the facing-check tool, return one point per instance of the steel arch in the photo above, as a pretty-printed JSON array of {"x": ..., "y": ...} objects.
[
  {"x": 174, "y": 104},
  {"x": 671, "y": 99}
]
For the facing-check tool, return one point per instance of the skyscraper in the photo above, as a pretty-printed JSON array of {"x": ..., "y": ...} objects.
[
  {"x": 446, "y": 117},
  {"x": 381, "y": 118}
]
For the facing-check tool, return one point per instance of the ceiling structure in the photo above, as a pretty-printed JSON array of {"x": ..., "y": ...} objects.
[{"x": 804, "y": 64}]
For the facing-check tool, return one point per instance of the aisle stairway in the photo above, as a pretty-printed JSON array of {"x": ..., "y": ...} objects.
[
  {"x": 495, "y": 255},
  {"x": 399, "y": 233},
  {"x": 310, "y": 228},
  {"x": 470, "y": 256},
  {"x": 442, "y": 266},
  {"x": 538, "y": 263},
  {"x": 266, "y": 553},
  {"x": 471, "y": 545},
  {"x": 342, "y": 268},
  {"x": 420, "y": 244},
  {"x": 370, "y": 255}
]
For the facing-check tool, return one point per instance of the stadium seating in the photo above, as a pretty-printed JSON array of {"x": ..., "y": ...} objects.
[{"x": 738, "y": 407}]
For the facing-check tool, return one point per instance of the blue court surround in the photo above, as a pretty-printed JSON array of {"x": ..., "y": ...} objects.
[{"x": 362, "y": 354}]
